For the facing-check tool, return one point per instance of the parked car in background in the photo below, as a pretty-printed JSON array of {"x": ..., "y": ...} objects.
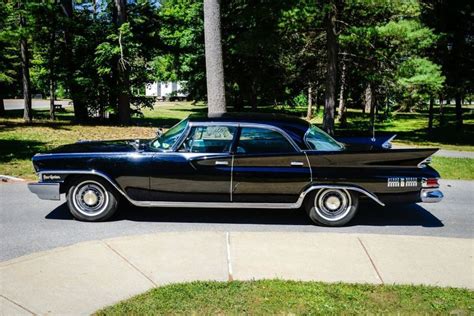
[{"x": 236, "y": 161}]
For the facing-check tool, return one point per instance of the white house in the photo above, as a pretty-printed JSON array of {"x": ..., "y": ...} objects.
[{"x": 166, "y": 90}]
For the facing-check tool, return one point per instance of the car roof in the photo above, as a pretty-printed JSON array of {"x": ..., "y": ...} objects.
[{"x": 295, "y": 127}]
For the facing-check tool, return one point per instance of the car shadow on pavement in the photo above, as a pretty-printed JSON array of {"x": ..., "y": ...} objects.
[{"x": 369, "y": 215}]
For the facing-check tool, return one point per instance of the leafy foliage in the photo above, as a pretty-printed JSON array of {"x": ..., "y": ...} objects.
[{"x": 273, "y": 51}]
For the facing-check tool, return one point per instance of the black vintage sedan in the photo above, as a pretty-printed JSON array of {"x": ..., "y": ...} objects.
[{"x": 237, "y": 161}]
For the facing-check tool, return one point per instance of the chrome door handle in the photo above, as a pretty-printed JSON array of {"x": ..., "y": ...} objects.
[
  {"x": 222, "y": 163},
  {"x": 297, "y": 163}
]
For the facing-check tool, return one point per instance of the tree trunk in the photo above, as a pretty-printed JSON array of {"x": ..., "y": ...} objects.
[
  {"x": 459, "y": 121},
  {"x": 342, "y": 104},
  {"x": 51, "y": 54},
  {"x": 430, "y": 115},
  {"x": 124, "y": 113},
  {"x": 368, "y": 99},
  {"x": 441, "y": 112},
  {"x": 331, "y": 67},
  {"x": 52, "y": 98},
  {"x": 214, "y": 63},
  {"x": 316, "y": 98},
  {"x": 94, "y": 8},
  {"x": 371, "y": 98},
  {"x": 309, "y": 112},
  {"x": 2, "y": 107},
  {"x": 80, "y": 110},
  {"x": 253, "y": 96},
  {"x": 25, "y": 66}
]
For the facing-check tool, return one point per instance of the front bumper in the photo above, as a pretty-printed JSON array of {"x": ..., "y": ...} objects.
[
  {"x": 431, "y": 195},
  {"x": 45, "y": 191}
]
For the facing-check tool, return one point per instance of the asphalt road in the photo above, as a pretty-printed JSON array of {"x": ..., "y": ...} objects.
[
  {"x": 30, "y": 225},
  {"x": 19, "y": 104}
]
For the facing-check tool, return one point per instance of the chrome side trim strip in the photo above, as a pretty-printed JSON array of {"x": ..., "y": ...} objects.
[
  {"x": 295, "y": 205},
  {"x": 310, "y": 168},
  {"x": 232, "y": 179}
]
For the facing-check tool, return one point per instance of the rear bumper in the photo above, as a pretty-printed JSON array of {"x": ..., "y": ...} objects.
[
  {"x": 45, "y": 191},
  {"x": 431, "y": 195}
]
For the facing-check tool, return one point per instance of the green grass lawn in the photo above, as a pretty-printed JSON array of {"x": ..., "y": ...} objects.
[
  {"x": 20, "y": 141},
  {"x": 276, "y": 297},
  {"x": 454, "y": 168}
]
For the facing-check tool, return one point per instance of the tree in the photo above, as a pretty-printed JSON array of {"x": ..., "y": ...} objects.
[
  {"x": 122, "y": 66},
  {"x": 25, "y": 62},
  {"x": 342, "y": 99},
  {"x": 454, "y": 51},
  {"x": 214, "y": 62},
  {"x": 377, "y": 38},
  {"x": 331, "y": 75},
  {"x": 80, "y": 109},
  {"x": 9, "y": 55},
  {"x": 46, "y": 49}
]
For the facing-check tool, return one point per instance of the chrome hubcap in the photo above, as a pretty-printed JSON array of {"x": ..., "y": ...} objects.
[
  {"x": 90, "y": 198},
  {"x": 332, "y": 204}
]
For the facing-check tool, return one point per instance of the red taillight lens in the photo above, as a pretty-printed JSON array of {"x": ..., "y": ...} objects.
[{"x": 430, "y": 183}]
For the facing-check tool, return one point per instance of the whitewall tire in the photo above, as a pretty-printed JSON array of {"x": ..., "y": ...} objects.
[
  {"x": 91, "y": 199},
  {"x": 332, "y": 207}
]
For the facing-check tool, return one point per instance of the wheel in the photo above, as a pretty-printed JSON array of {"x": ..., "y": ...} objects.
[
  {"x": 92, "y": 199},
  {"x": 332, "y": 207}
]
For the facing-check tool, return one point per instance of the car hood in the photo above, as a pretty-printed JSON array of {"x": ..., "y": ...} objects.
[{"x": 108, "y": 146}]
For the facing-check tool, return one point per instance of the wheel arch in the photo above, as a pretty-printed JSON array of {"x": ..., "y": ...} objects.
[
  {"x": 68, "y": 177},
  {"x": 357, "y": 189}
]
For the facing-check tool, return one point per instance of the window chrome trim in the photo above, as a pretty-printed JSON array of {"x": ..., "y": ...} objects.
[
  {"x": 309, "y": 147},
  {"x": 295, "y": 205},
  {"x": 236, "y": 124}
]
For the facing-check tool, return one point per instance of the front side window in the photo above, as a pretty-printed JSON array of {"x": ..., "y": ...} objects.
[
  {"x": 316, "y": 139},
  {"x": 209, "y": 139},
  {"x": 255, "y": 140},
  {"x": 167, "y": 140}
]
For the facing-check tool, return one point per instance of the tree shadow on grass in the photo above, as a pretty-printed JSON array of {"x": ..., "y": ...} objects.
[
  {"x": 368, "y": 215},
  {"x": 11, "y": 149},
  {"x": 157, "y": 122}
]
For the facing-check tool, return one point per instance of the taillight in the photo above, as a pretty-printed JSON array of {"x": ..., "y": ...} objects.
[{"x": 430, "y": 183}]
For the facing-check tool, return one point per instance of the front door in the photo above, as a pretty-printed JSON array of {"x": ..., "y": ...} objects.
[
  {"x": 267, "y": 167},
  {"x": 198, "y": 171}
]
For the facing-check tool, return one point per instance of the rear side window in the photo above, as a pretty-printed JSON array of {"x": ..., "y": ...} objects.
[
  {"x": 209, "y": 139},
  {"x": 254, "y": 140},
  {"x": 316, "y": 139}
]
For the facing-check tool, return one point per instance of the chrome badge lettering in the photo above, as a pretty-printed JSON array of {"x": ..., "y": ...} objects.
[
  {"x": 51, "y": 177},
  {"x": 402, "y": 182}
]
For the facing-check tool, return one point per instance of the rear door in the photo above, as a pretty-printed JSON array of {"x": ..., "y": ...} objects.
[{"x": 268, "y": 167}]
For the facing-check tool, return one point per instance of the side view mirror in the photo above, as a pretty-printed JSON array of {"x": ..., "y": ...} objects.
[{"x": 159, "y": 132}]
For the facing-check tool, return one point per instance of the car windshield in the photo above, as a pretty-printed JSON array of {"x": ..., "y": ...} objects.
[
  {"x": 316, "y": 139},
  {"x": 167, "y": 140}
]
